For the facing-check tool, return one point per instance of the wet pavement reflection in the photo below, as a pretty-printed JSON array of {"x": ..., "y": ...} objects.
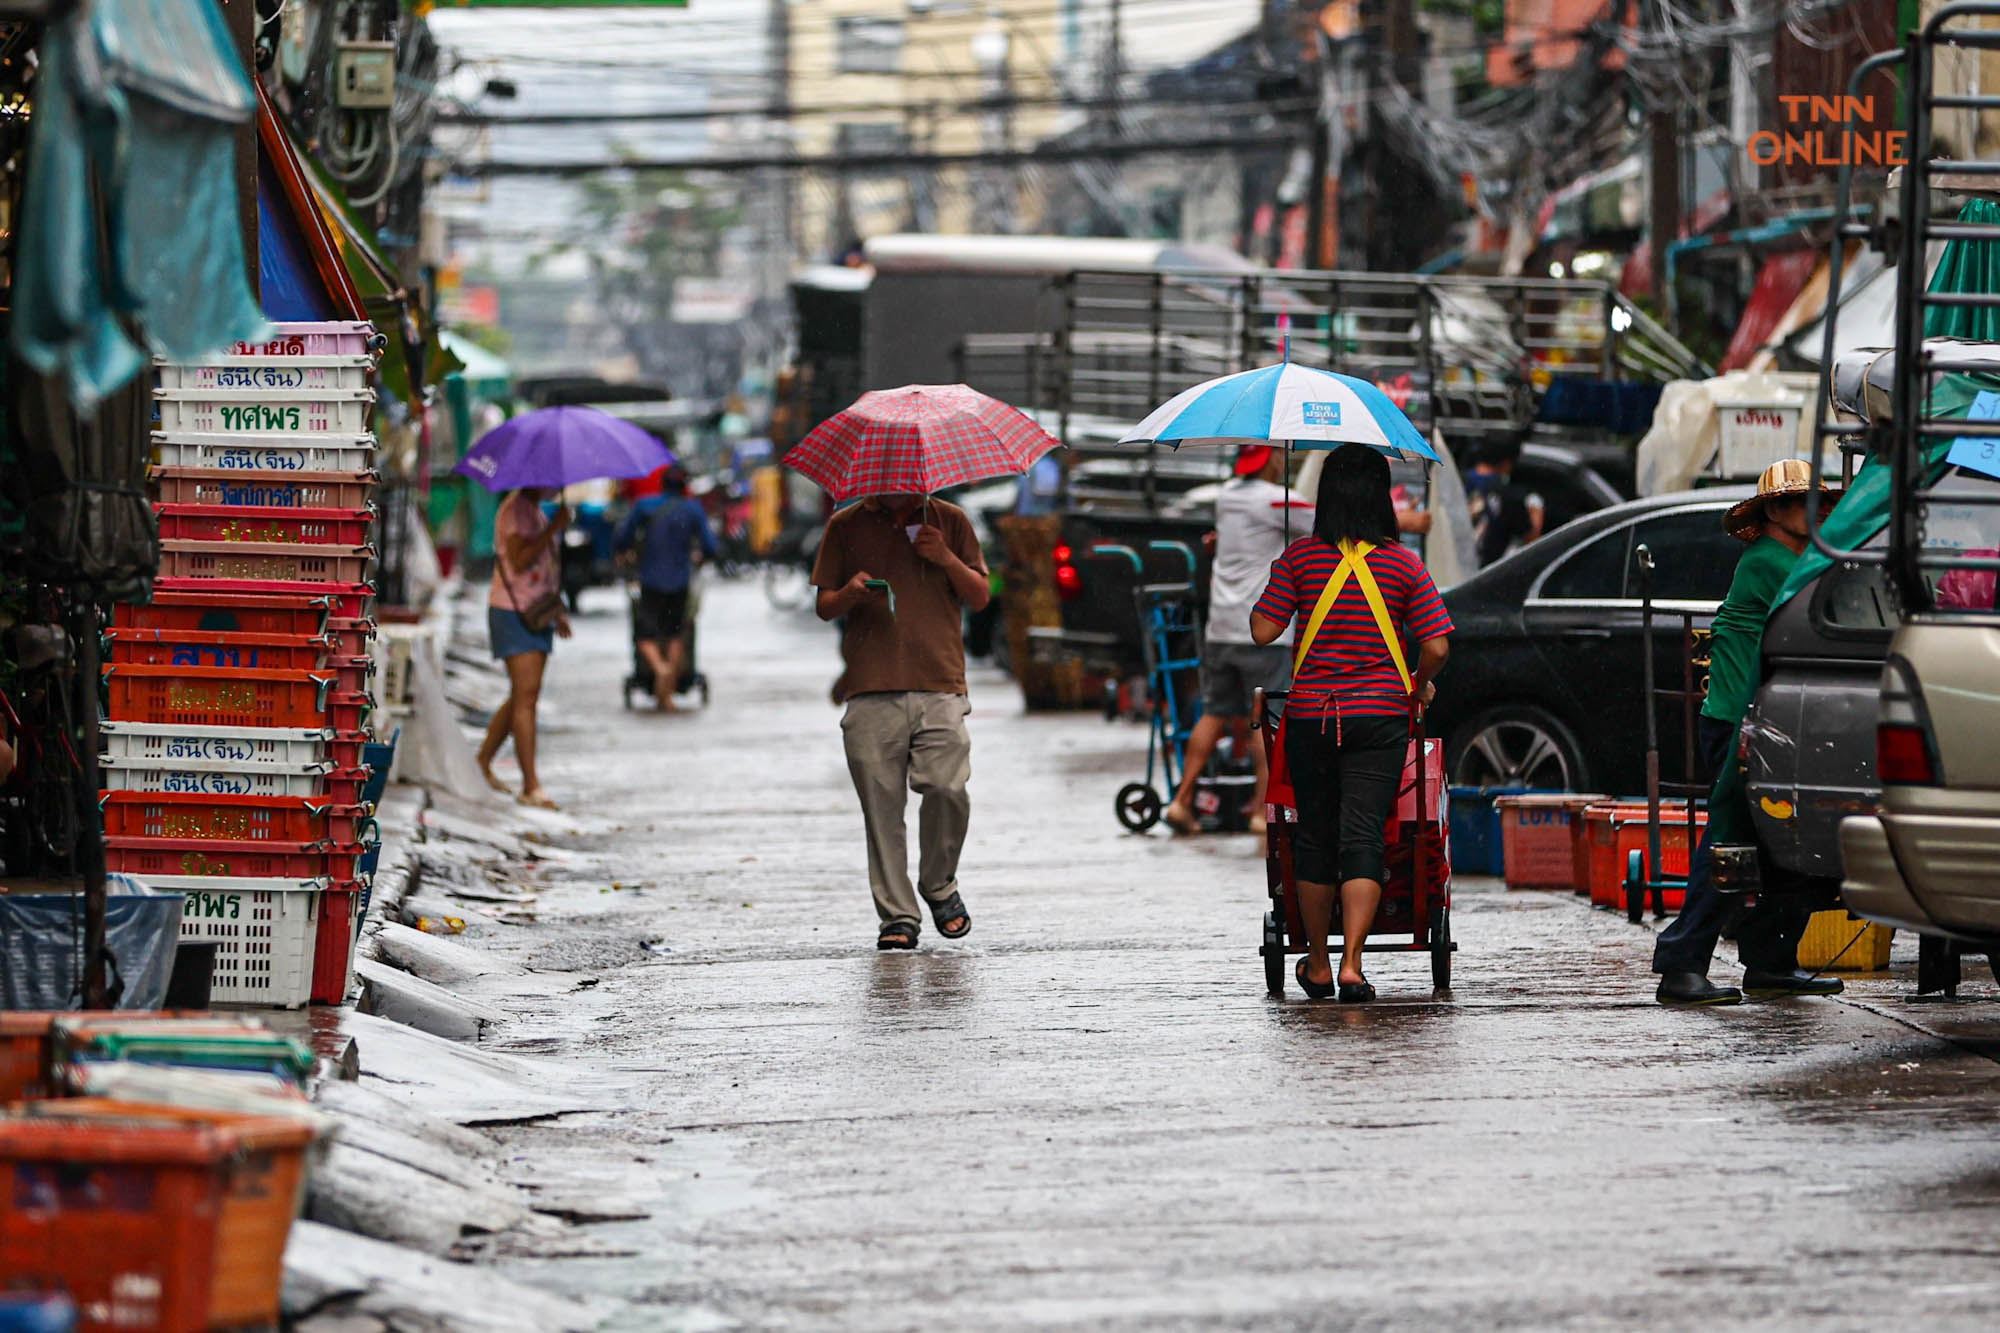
[{"x": 1089, "y": 1114}]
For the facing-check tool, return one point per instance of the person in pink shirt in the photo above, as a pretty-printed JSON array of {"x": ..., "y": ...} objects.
[{"x": 525, "y": 572}]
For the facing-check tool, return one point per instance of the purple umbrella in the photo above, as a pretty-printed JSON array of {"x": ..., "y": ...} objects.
[{"x": 559, "y": 446}]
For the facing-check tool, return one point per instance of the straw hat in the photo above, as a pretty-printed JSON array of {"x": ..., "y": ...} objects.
[{"x": 1787, "y": 476}]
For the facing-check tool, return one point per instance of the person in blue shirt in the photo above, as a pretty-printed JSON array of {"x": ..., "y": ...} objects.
[{"x": 667, "y": 528}]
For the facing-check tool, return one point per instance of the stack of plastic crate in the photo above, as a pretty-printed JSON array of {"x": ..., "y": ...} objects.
[{"x": 238, "y": 700}]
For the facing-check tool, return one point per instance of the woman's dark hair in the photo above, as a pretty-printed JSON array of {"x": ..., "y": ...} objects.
[{"x": 1353, "y": 500}]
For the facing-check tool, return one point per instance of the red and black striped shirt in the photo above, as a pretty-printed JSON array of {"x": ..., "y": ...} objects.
[{"x": 1349, "y": 666}]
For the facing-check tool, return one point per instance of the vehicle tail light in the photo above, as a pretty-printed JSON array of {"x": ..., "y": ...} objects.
[
  {"x": 1063, "y": 553},
  {"x": 1905, "y": 751},
  {"x": 1069, "y": 583},
  {"x": 1903, "y": 756}
]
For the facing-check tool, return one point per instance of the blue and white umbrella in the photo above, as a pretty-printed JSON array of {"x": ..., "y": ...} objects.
[{"x": 1312, "y": 409}]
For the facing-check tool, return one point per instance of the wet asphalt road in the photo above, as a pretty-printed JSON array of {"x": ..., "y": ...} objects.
[{"x": 1090, "y": 1115}]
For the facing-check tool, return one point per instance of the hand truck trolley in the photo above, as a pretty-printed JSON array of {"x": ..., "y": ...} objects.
[
  {"x": 1415, "y": 915},
  {"x": 1170, "y": 631},
  {"x": 1646, "y": 875}
]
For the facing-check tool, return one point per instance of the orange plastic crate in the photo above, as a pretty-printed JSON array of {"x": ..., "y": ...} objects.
[
  {"x": 351, "y": 634},
  {"x": 250, "y": 487},
  {"x": 1616, "y": 829},
  {"x": 217, "y": 697},
  {"x": 208, "y": 817},
  {"x": 24, "y": 1055},
  {"x": 241, "y": 613},
  {"x": 264, "y": 523},
  {"x": 150, "y": 1217},
  {"x": 1535, "y": 840},
  {"x": 278, "y": 561},
  {"x": 219, "y": 648}
]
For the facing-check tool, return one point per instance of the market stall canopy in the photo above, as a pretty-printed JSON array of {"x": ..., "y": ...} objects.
[
  {"x": 124, "y": 82},
  {"x": 477, "y": 365}
]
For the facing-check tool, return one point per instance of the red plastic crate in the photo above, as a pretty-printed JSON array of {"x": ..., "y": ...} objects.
[
  {"x": 219, "y": 648},
  {"x": 203, "y": 816},
  {"x": 24, "y": 1055},
  {"x": 347, "y": 749},
  {"x": 342, "y": 599},
  {"x": 1535, "y": 840},
  {"x": 157, "y": 1218},
  {"x": 264, "y": 523},
  {"x": 333, "y": 950},
  {"x": 276, "y": 490},
  {"x": 343, "y": 786},
  {"x": 351, "y": 635},
  {"x": 1613, "y": 830},
  {"x": 356, "y": 673},
  {"x": 347, "y": 712},
  {"x": 211, "y": 696},
  {"x": 239, "y": 860},
  {"x": 278, "y": 561},
  {"x": 242, "y": 613}
]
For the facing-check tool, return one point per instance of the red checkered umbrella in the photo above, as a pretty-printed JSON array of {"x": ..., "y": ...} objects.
[{"x": 916, "y": 440}]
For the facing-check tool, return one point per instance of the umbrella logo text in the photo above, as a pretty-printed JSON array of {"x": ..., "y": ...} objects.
[{"x": 1322, "y": 414}]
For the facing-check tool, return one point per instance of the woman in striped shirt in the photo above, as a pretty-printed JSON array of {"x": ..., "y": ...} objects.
[{"x": 1353, "y": 694}]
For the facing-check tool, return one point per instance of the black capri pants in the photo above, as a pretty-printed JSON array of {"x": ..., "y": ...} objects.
[{"x": 1345, "y": 781}]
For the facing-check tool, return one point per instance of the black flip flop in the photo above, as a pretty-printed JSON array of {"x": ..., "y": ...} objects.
[
  {"x": 951, "y": 907},
  {"x": 1315, "y": 990},
  {"x": 1356, "y": 992},
  {"x": 897, "y": 935}
]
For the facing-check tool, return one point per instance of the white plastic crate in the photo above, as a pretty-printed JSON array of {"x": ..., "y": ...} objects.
[
  {"x": 265, "y": 411},
  {"x": 313, "y": 338},
  {"x": 267, "y": 373},
  {"x": 264, "y": 453},
  {"x": 213, "y": 777},
  {"x": 264, "y": 930},
  {"x": 274, "y": 749}
]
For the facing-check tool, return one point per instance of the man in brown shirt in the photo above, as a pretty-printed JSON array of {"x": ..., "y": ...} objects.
[{"x": 904, "y": 728}]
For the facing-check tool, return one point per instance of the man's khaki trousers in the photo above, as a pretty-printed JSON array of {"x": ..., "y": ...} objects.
[{"x": 898, "y": 744}]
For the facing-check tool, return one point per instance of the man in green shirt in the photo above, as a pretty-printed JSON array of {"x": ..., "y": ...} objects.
[{"x": 1773, "y": 522}]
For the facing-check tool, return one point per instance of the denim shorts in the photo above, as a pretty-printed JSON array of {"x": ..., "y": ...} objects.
[{"x": 510, "y": 634}]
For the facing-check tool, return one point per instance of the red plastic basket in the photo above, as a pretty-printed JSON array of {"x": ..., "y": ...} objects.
[
  {"x": 347, "y": 749},
  {"x": 347, "y": 712},
  {"x": 265, "y": 560},
  {"x": 207, "y": 817},
  {"x": 149, "y": 1217},
  {"x": 239, "y": 860},
  {"x": 356, "y": 673},
  {"x": 333, "y": 950},
  {"x": 343, "y": 786},
  {"x": 264, "y": 524},
  {"x": 342, "y": 599},
  {"x": 24, "y": 1055},
  {"x": 218, "y": 648},
  {"x": 241, "y": 613},
  {"x": 212, "y": 696},
  {"x": 351, "y": 635},
  {"x": 278, "y": 490}
]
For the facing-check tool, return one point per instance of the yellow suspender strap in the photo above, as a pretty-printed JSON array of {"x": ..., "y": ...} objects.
[{"x": 1354, "y": 560}]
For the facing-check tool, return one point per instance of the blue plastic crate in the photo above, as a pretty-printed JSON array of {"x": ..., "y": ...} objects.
[{"x": 1475, "y": 829}]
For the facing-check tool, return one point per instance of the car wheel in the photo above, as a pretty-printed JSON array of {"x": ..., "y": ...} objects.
[{"x": 1516, "y": 746}]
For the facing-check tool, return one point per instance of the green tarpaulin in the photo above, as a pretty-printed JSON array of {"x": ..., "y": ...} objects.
[{"x": 1968, "y": 266}]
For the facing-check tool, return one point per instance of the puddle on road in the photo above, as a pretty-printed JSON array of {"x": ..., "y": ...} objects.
[{"x": 684, "y": 1184}]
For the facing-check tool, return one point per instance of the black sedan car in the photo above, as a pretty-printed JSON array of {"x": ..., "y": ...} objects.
[{"x": 1546, "y": 678}]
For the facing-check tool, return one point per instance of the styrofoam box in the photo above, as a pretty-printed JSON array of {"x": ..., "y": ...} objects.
[
  {"x": 264, "y": 930},
  {"x": 265, "y": 452},
  {"x": 312, "y": 338},
  {"x": 215, "y": 777},
  {"x": 265, "y": 411},
  {"x": 265, "y": 748},
  {"x": 267, "y": 373}
]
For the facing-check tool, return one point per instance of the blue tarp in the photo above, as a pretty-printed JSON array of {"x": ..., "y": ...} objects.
[{"x": 131, "y": 202}]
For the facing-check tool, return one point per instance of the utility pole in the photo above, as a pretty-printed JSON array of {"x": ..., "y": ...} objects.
[
  {"x": 1663, "y": 193},
  {"x": 779, "y": 38}
]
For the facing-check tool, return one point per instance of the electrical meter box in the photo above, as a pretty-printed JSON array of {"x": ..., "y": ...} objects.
[{"x": 364, "y": 76}]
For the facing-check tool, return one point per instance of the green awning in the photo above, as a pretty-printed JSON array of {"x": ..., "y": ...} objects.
[{"x": 480, "y": 367}]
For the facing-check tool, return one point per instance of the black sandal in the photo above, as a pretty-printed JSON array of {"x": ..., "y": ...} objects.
[
  {"x": 897, "y": 935},
  {"x": 1356, "y": 992},
  {"x": 951, "y": 908},
  {"x": 1315, "y": 990}
]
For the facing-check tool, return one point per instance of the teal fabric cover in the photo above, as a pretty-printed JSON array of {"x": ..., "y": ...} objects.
[{"x": 130, "y": 214}]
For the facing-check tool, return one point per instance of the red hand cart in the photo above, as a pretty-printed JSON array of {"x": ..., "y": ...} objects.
[{"x": 1415, "y": 915}]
